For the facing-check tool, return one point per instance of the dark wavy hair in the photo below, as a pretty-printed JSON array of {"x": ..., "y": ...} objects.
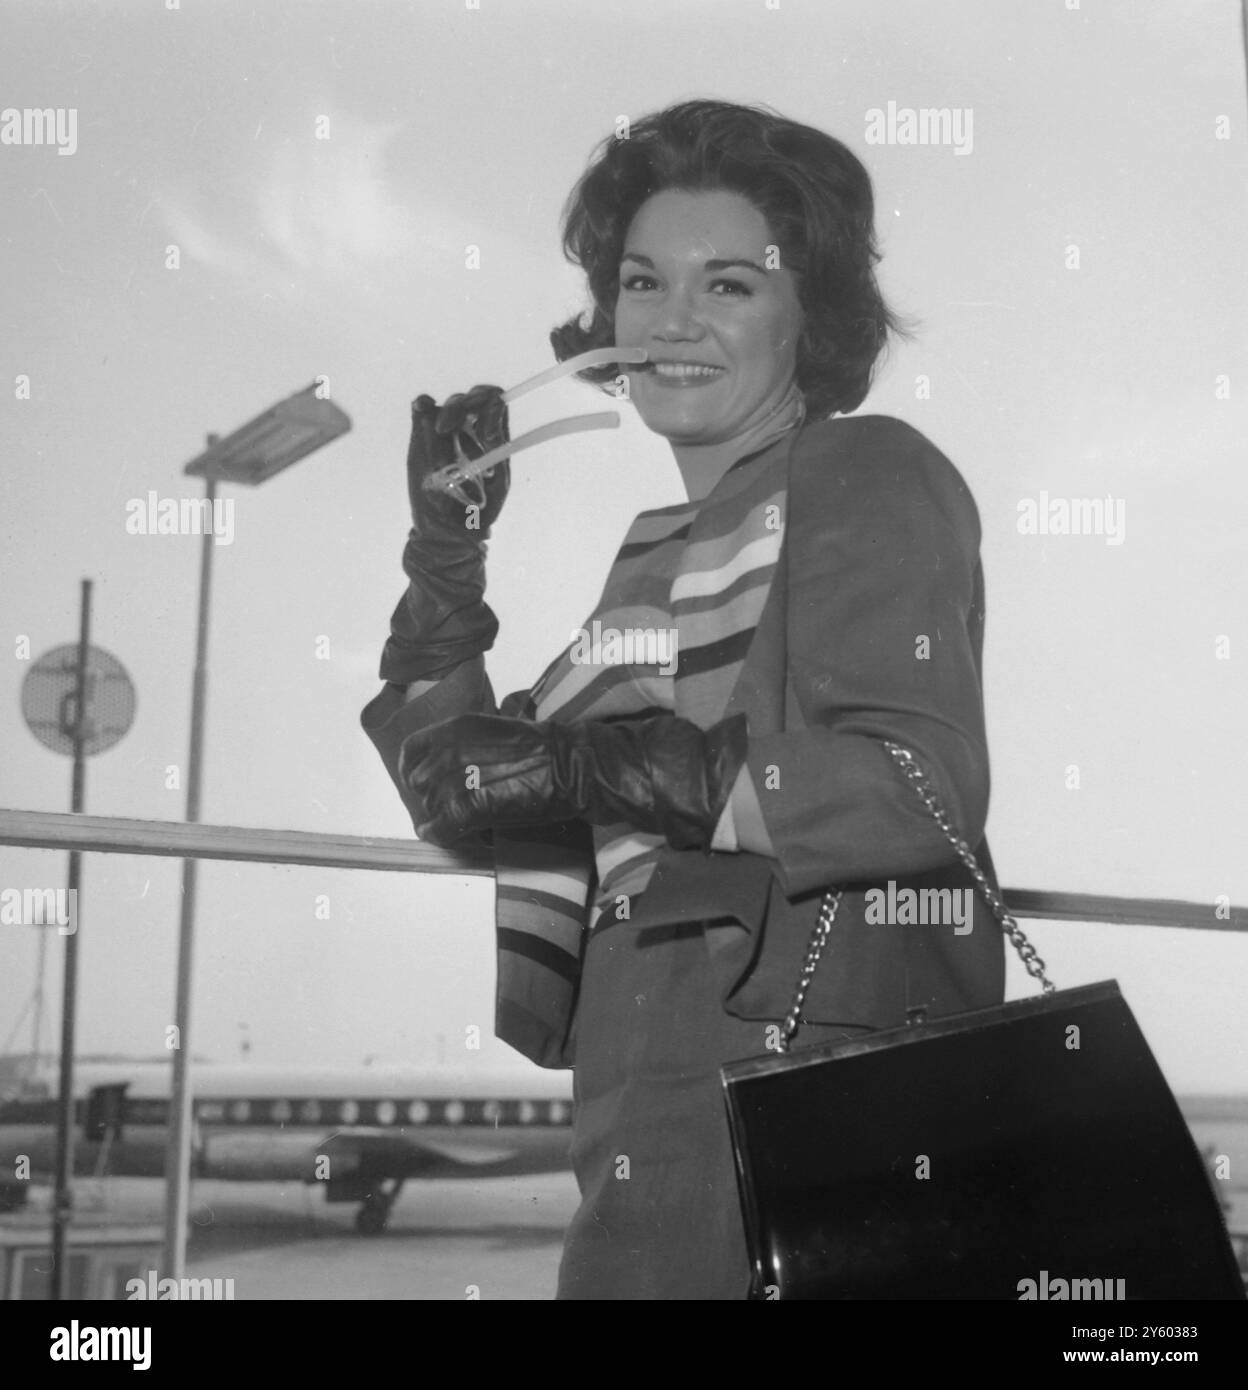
[{"x": 818, "y": 202}]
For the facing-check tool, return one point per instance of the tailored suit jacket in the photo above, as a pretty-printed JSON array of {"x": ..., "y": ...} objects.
[{"x": 872, "y": 630}]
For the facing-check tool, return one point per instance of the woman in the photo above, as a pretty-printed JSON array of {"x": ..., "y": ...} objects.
[{"x": 663, "y": 840}]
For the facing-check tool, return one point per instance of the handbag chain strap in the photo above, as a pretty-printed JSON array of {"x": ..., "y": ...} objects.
[{"x": 905, "y": 760}]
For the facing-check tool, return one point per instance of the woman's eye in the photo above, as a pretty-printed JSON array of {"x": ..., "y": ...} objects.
[
  {"x": 733, "y": 287},
  {"x": 637, "y": 282}
]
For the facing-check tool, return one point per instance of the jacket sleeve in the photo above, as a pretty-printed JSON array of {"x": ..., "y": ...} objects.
[
  {"x": 884, "y": 629},
  {"x": 388, "y": 718}
]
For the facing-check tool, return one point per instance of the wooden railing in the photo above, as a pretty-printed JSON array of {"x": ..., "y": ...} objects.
[{"x": 183, "y": 840}]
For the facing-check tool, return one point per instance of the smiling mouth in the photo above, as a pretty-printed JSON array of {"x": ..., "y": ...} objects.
[{"x": 683, "y": 371}]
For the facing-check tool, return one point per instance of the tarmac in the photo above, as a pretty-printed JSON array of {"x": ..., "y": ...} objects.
[{"x": 491, "y": 1238}]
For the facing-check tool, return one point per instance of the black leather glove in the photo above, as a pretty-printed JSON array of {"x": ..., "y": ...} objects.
[
  {"x": 442, "y": 619},
  {"x": 662, "y": 775}
]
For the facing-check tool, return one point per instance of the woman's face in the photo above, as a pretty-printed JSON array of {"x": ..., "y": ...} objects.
[{"x": 699, "y": 288}]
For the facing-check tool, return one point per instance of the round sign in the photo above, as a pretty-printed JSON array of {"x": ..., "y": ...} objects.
[{"x": 49, "y": 698}]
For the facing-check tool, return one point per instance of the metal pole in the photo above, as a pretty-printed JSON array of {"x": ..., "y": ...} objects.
[
  {"x": 1243, "y": 31},
  {"x": 37, "y": 1029},
  {"x": 63, "y": 1199},
  {"x": 178, "y": 1153}
]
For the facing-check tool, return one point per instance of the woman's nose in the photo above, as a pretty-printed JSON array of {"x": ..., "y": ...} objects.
[{"x": 676, "y": 318}]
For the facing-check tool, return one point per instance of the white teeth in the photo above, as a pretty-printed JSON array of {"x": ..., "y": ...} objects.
[{"x": 684, "y": 369}]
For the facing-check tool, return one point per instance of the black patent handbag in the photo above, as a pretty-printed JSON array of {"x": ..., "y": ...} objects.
[{"x": 1030, "y": 1150}]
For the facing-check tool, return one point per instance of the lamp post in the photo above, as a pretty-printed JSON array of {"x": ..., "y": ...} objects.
[{"x": 278, "y": 437}]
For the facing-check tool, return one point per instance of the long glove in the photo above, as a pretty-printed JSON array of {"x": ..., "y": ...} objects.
[
  {"x": 662, "y": 775},
  {"x": 442, "y": 619}
]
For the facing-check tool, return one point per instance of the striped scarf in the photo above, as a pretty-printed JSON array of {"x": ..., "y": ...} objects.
[{"x": 689, "y": 583}]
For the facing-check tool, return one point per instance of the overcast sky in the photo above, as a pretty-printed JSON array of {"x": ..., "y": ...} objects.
[{"x": 1076, "y": 267}]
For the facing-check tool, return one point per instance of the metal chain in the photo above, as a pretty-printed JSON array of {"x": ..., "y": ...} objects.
[
  {"x": 832, "y": 900},
  {"x": 1026, "y": 951},
  {"x": 827, "y": 915}
]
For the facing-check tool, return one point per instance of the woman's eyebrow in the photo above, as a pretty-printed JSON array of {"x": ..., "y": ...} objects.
[{"x": 709, "y": 265}]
